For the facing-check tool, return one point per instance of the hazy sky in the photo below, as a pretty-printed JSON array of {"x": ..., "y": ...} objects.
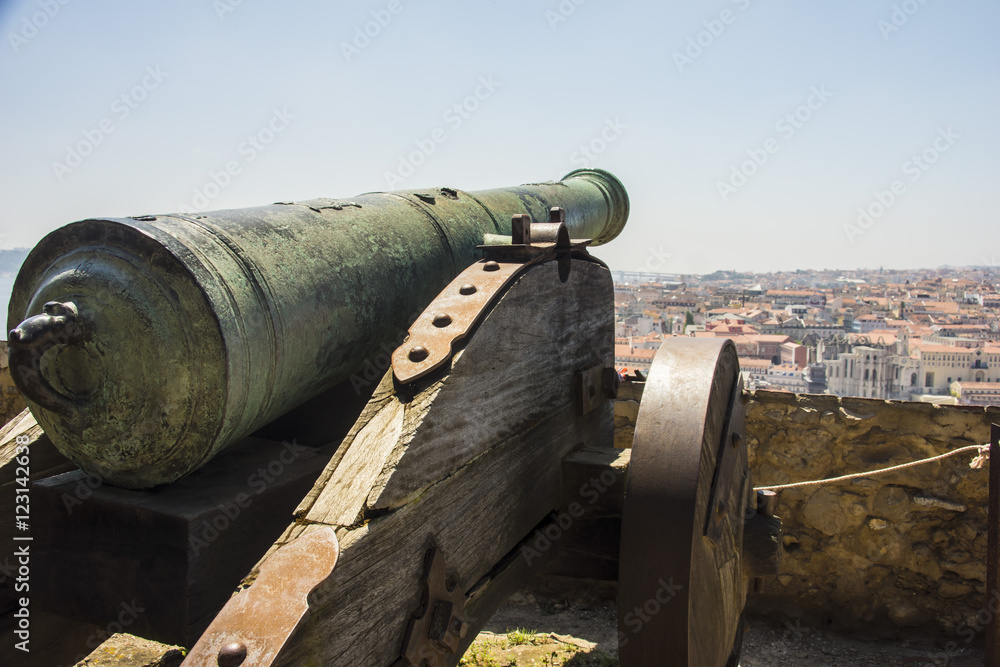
[{"x": 748, "y": 133}]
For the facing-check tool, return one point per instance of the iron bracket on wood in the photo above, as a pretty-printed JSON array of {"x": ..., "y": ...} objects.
[
  {"x": 594, "y": 386},
  {"x": 729, "y": 482},
  {"x": 259, "y": 622},
  {"x": 438, "y": 629},
  {"x": 451, "y": 316}
]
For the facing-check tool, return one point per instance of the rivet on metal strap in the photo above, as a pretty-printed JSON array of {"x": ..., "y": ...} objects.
[{"x": 232, "y": 655}]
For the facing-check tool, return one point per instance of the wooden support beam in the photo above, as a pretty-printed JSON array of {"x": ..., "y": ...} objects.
[{"x": 467, "y": 462}]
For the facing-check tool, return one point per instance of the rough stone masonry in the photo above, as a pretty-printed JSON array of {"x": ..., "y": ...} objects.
[{"x": 901, "y": 549}]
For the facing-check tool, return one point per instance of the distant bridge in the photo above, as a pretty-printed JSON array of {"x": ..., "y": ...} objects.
[{"x": 645, "y": 277}]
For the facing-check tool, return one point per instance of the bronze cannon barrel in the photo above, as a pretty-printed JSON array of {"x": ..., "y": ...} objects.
[{"x": 146, "y": 345}]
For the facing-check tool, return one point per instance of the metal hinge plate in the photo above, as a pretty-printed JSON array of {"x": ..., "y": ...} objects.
[
  {"x": 594, "y": 386},
  {"x": 454, "y": 312},
  {"x": 258, "y": 622},
  {"x": 450, "y": 317},
  {"x": 437, "y": 632}
]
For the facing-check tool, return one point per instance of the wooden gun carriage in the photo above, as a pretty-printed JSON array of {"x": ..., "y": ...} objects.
[{"x": 387, "y": 517}]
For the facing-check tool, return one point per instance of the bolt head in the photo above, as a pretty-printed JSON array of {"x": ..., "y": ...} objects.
[
  {"x": 418, "y": 353},
  {"x": 491, "y": 266},
  {"x": 467, "y": 289},
  {"x": 232, "y": 654},
  {"x": 441, "y": 320}
]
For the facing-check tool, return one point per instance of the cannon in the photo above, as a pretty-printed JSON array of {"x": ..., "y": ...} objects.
[
  {"x": 483, "y": 457},
  {"x": 146, "y": 345}
]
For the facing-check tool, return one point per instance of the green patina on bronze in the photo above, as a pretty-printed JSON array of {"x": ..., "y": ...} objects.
[{"x": 173, "y": 336}]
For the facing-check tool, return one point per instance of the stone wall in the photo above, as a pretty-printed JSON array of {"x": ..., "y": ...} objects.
[
  {"x": 902, "y": 549},
  {"x": 11, "y": 402},
  {"x": 905, "y": 549},
  {"x": 123, "y": 650}
]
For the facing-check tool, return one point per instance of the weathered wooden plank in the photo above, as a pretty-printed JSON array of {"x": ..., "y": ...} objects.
[
  {"x": 45, "y": 461},
  {"x": 361, "y": 464},
  {"x": 506, "y": 372},
  {"x": 483, "y": 473},
  {"x": 513, "y": 573},
  {"x": 475, "y": 517},
  {"x": 496, "y": 369}
]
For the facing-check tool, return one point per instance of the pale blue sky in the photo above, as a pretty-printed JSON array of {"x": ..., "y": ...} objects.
[{"x": 676, "y": 129}]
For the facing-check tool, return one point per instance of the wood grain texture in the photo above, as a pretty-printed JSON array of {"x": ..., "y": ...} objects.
[
  {"x": 473, "y": 468},
  {"x": 532, "y": 344}
]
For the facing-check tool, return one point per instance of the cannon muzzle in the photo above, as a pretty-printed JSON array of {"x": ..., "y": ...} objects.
[{"x": 146, "y": 345}]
